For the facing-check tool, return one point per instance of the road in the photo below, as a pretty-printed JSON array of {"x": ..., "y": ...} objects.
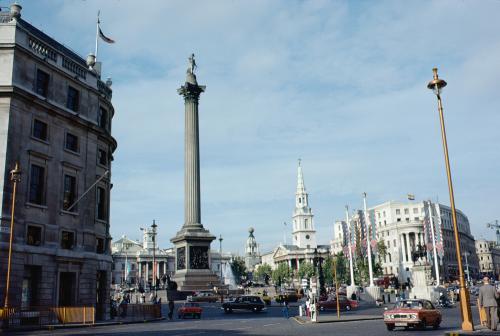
[{"x": 271, "y": 322}]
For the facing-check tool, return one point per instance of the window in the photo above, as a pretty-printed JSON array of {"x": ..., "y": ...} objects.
[
  {"x": 69, "y": 194},
  {"x": 305, "y": 223},
  {"x": 407, "y": 219},
  {"x": 39, "y": 130},
  {"x": 399, "y": 219},
  {"x": 416, "y": 218},
  {"x": 388, "y": 244},
  {"x": 300, "y": 200},
  {"x": 102, "y": 157},
  {"x": 67, "y": 240},
  {"x": 42, "y": 83},
  {"x": 398, "y": 211},
  {"x": 415, "y": 210},
  {"x": 99, "y": 245},
  {"x": 73, "y": 99},
  {"x": 101, "y": 204},
  {"x": 103, "y": 118},
  {"x": 37, "y": 185},
  {"x": 384, "y": 213},
  {"x": 34, "y": 235},
  {"x": 71, "y": 142},
  {"x": 407, "y": 211},
  {"x": 385, "y": 222}
]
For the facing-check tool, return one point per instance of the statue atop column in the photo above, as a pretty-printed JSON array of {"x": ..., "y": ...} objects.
[{"x": 192, "y": 64}]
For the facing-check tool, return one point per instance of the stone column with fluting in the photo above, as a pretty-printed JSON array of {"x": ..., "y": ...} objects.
[{"x": 191, "y": 92}]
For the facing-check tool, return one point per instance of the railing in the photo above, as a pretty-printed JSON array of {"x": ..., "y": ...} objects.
[
  {"x": 104, "y": 89},
  {"x": 5, "y": 15},
  {"x": 35, "y": 317},
  {"x": 138, "y": 311},
  {"x": 42, "y": 49},
  {"x": 74, "y": 67}
]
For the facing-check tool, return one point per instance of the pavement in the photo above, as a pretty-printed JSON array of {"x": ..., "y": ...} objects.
[{"x": 478, "y": 331}]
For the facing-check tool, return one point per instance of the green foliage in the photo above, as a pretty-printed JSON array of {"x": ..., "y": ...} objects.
[
  {"x": 281, "y": 274},
  {"x": 306, "y": 270},
  {"x": 239, "y": 269},
  {"x": 382, "y": 250},
  {"x": 262, "y": 271}
]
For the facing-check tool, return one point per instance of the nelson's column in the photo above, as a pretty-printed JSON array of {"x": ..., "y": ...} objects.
[{"x": 192, "y": 242}]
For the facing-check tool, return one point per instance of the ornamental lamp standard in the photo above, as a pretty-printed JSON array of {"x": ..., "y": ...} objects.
[
  {"x": 15, "y": 177},
  {"x": 220, "y": 252},
  {"x": 153, "y": 230},
  {"x": 437, "y": 85}
]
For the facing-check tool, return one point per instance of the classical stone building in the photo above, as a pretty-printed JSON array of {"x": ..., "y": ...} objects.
[
  {"x": 133, "y": 261},
  {"x": 55, "y": 119},
  {"x": 403, "y": 227},
  {"x": 304, "y": 246},
  {"x": 489, "y": 257}
]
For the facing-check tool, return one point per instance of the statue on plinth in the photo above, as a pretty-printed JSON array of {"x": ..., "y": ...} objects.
[{"x": 192, "y": 64}]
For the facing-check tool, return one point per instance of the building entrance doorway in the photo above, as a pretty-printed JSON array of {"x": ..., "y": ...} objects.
[{"x": 67, "y": 288}]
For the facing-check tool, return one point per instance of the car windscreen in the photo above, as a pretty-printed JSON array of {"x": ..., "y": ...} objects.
[{"x": 407, "y": 304}]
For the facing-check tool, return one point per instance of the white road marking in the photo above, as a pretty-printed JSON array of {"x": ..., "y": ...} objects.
[{"x": 267, "y": 325}]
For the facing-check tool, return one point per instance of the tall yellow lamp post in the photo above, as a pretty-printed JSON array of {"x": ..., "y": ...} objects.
[
  {"x": 15, "y": 177},
  {"x": 436, "y": 85}
]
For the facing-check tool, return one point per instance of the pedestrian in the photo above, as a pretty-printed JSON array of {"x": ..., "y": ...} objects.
[
  {"x": 487, "y": 300},
  {"x": 170, "y": 309},
  {"x": 285, "y": 309}
]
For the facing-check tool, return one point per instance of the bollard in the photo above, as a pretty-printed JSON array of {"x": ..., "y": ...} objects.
[{"x": 301, "y": 313}]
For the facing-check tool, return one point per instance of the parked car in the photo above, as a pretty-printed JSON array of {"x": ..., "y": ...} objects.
[
  {"x": 289, "y": 296},
  {"x": 412, "y": 313},
  {"x": 247, "y": 302},
  {"x": 204, "y": 296},
  {"x": 331, "y": 303},
  {"x": 192, "y": 309}
]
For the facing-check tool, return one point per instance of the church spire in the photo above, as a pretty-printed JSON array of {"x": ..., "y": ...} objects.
[
  {"x": 304, "y": 234},
  {"x": 301, "y": 187}
]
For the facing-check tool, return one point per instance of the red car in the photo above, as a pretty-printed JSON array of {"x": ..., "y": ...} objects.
[
  {"x": 331, "y": 303},
  {"x": 192, "y": 309},
  {"x": 415, "y": 313}
]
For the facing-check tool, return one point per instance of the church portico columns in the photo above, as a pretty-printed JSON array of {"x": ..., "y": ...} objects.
[{"x": 408, "y": 247}]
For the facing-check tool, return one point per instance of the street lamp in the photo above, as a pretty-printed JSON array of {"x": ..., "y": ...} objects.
[
  {"x": 15, "y": 177},
  {"x": 153, "y": 230},
  {"x": 220, "y": 252},
  {"x": 436, "y": 85}
]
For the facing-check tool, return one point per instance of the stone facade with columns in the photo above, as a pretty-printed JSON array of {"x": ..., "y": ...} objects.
[
  {"x": 489, "y": 257},
  {"x": 133, "y": 261},
  {"x": 400, "y": 225}
]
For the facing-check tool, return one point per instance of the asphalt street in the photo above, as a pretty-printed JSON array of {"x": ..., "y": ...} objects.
[{"x": 270, "y": 322}]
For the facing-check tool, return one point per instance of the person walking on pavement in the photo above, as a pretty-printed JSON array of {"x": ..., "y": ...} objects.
[
  {"x": 285, "y": 309},
  {"x": 487, "y": 300}
]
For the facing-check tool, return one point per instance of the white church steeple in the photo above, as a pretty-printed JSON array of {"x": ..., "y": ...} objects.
[{"x": 304, "y": 233}]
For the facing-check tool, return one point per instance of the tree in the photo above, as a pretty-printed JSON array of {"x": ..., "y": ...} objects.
[
  {"x": 306, "y": 270},
  {"x": 281, "y": 274},
  {"x": 263, "y": 272},
  {"x": 382, "y": 250},
  {"x": 239, "y": 269}
]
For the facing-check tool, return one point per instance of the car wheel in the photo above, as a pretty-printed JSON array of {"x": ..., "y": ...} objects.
[
  {"x": 422, "y": 325},
  {"x": 255, "y": 309},
  {"x": 321, "y": 308},
  {"x": 179, "y": 316},
  {"x": 348, "y": 308},
  {"x": 198, "y": 316},
  {"x": 390, "y": 327},
  {"x": 435, "y": 326},
  {"x": 226, "y": 310}
]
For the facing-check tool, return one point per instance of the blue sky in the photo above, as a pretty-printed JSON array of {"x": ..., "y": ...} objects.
[{"x": 340, "y": 84}]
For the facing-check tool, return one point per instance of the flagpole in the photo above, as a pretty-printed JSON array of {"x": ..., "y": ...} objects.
[
  {"x": 351, "y": 269},
  {"x": 436, "y": 266},
  {"x": 97, "y": 35},
  {"x": 368, "y": 241}
]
